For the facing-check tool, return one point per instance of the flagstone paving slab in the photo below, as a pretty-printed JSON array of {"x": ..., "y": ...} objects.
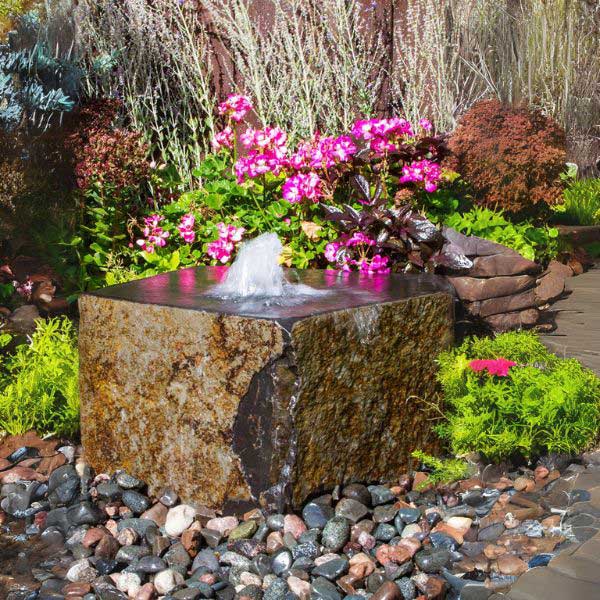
[
  {"x": 577, "y": 334},
  {"x": 575, "y": 572},
  {"x": 543, "y": 583}
]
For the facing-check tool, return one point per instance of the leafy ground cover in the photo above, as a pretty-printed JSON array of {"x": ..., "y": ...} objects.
[
  {"x": 509, "y": 396},
  {"x": 39, "y": 381}
]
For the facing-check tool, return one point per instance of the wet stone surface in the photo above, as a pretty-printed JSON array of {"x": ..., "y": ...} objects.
[
  {"x": 98, "y": 547},
  {"x": 228, "y": 402}
]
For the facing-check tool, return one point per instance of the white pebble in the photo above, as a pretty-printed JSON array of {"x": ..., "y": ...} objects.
[
  {"x": 166, "y": 580},
  {"x": 81, "y": 571},
  {"x": 179, "y": 518},
  {"x": 130, "y": 583}
]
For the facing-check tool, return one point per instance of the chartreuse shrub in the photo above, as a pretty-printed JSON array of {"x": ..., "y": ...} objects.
[
  {"x": 509, "y": 396},
  {"x": 39, "y": 381}
]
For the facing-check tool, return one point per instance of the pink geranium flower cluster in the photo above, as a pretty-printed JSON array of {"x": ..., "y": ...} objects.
[
  {"x": 383, "y": 134},
  {"x": 154, "y": 235},
  {"x": 222, "y": 248},
  {"x": 302, "y": 186},
  {"x": 495, "y": 366},
  {"x": 424, "y": 171},
  {"x": 186, "y": 228},
  {"x": 306, "y": 169},
  {"x": 337, "y": 253},
  {"x": 267, "y": 152},
  {"x": 322, "y": 153},
  {"x": 223, "y": 139},
  {"x": 235, "y": 107}
]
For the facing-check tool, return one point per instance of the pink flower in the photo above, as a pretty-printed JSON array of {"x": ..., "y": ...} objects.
[
  {"x": 153, "y": 234},
  {"x": 381, "y": 146},
  {"x": 222, "y": 248},
  {"x": 302, "y": 186},
  {"x": 496, "y": 366},
  {"x": 425, "y": 124},
  {"x": 364, "y": 129},
  {"x": 236, "y": 106},
  {"x": 186, "y": 228},
  {"x": 272, "y": 138},
  {"x": 223, "y": 139},
  {"x": 230, "y": 232},
  {"x": 377, "y": 264},
  {"x": 343, "y": 148},
  {"x": 382, "y": 128},
  {"x": 153, "y": 220},
  {"x": 255, "y": 164},
  {"x": 326, "y": 152},
  {"x": 424, "y": 171},
  {"x": 331, "y": 251},
  {"x": 359, "y": 238}
]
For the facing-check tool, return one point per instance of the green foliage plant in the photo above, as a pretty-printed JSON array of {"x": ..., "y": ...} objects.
[
  {"x": 534, "y": 243},
  {"x": 581, "y": 204},
  {"x": 544, "y": 403},
  {"x": 442, "y": 470},
  {"x": 39, "y": 381}
]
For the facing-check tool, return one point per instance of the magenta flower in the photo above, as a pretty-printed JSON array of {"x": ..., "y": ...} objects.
[
  {"x": 186, "y": 228},
  {"x": 381, "y": 146},
  {"x": 153, "y": 234},
  {"x": 359, "y": 238},
  {"x": 422, "y": 171},
  {"x": 426, "y": 124},
  {"x": 271, "y": 138},
  {"x": 331, "y": 251},
  {"x": 236, "y": 106},
  {"x": 324, "y": 153},
  {"x": 378, "y": 264},
  {"x": 222, "y": 248},
  {"x": 302, "y": 186},
  {"x": 496, "y": 366},
  {"x": 223, "y": 139},
  {"x": 382, "y": 128}
]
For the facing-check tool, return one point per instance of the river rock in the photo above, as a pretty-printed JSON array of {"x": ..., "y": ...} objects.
[
  {"x": 351, "y": 509},
  {"x": 81, "y": 570},
  {"x": 316, "y": 514},
  {"x": 136, "y": 502},
  {"x": 166, "y": 580},
  {"x": 336, "y": 533},
  {"x": 388, "y": 591},
  {"x": 179, "y": 518}
]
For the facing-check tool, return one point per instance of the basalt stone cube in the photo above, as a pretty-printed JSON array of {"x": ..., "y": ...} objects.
[{"x": 236, "y": 403}]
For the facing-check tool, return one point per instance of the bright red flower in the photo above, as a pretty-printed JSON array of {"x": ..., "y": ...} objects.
[{"x": 496, "y": 366}]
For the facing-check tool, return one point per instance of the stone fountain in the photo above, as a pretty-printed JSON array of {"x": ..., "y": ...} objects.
[{"x": 259, "y": 385}]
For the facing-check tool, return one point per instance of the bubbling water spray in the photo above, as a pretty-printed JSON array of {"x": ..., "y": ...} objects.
[{"x": 256, "y": 272}]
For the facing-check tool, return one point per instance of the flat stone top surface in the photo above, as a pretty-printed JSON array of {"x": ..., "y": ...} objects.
[{"x": 333, "y": 291}]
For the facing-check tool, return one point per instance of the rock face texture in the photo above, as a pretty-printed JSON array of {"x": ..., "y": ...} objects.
[
  {"x": 234, "y": 410},
  {"x": 503, "y": 289}
]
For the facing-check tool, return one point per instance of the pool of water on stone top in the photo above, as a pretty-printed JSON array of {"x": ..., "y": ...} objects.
[{"x": 191, "y": 288}]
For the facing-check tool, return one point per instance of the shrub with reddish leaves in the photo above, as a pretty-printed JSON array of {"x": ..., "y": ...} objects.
[
  {"x": 107, "y": 155},
  {"x": 512, "y": 157}
]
